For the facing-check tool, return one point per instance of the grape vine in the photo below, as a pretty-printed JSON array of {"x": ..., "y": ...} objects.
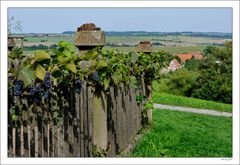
[{"x": 45, "y": 75}]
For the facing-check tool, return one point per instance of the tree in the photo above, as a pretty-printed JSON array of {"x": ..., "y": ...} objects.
[
  {"x": 182, "y": 81},
  {"x": 14, "y": 25},
  {"x": 215, "y": 80},
  {"x": 192, "y": 64}
]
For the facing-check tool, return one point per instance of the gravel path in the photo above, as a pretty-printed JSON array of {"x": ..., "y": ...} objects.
[{"x": 193, "y": 110}]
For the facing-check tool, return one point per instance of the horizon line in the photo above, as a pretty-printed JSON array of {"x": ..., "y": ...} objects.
[{"x": 127, "y": 31}]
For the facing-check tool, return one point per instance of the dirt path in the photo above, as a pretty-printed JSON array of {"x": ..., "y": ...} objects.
[{"x": 193, "y": 110}]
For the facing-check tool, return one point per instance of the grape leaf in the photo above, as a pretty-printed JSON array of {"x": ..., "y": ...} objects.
[
  {"x": 56, "y": 72},
  {"x": 40, "y": 55},
  {"x": 101, "y": 64},
  {"x": 71, "y": 67},
  {"x": 40, "y": 72},
  {"x": 26, "y": 74}
]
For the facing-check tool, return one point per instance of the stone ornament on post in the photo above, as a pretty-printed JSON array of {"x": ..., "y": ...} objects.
[
  {"x": 15, "y": 40},
  {"x": 11, "y": 43},
  {"x": 88, "y": 37},
  {"x": 144, "y": 47}
]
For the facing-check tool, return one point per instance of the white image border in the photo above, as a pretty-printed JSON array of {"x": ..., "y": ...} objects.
[{"x": 233, "y": 4}]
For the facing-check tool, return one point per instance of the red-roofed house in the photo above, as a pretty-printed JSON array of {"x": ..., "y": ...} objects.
[
  {"x": 197, "y": 55},
  {"x": 174, "y": 65},
  {"x": 184, "y": 57}
]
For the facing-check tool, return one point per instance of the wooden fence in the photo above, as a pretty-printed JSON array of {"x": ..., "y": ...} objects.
[{"x": 94, "y": 118}]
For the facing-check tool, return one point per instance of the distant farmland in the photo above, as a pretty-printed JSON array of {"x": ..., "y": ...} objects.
[
  {"x": 172, "y": 44},
  {"x": 170, "y": 49}
]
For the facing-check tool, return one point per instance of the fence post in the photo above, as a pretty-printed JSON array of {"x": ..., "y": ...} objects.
[
  {"x": 149, "y": 97},
  {"x": 146, "y": 47}
]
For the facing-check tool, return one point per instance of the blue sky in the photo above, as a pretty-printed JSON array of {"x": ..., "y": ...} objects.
[{"x": 57, "y": 20}]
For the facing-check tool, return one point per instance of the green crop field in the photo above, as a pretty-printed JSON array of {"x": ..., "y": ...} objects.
[{"x": 182, "y": 134}]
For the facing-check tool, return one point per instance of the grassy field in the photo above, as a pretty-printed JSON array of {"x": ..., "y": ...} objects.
[
  {"x": 170, "y": 49},
  {"x": 168, "y": 40},
  {"x": 163, "y": 98},
  {"x": 133, "y": 40},
  {"x": 182, "y": 49},
  {"x": 174, "y": 44},
  {"x": 54, "y": 39},
  {"x": 182, "y": 134}
]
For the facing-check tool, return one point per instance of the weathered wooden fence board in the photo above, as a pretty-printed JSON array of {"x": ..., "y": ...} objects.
[
  {"x": 81, "y": 123},
  {"x": 74, "y": 137},
  {"x": 90, "y": 119},
  {"x": 85, "y": 120}
]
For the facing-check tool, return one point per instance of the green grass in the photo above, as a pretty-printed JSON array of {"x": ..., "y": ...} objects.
[
  {"x": 182, "y": 49},
  {"x": 163, "y": 39},
  {"x": 182, "y": 134},
  {"x": 163, "y": 98},
  {"x": 170, "y": 49},
  {"x": 54, "y": 39},
  {"x": 121, "y": 49}
]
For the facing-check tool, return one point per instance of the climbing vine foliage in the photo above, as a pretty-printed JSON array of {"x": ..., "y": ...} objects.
[{"x": 47, "y": 74}]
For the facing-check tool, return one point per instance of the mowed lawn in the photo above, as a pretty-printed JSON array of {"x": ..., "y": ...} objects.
[
  {"x": 182, "y": 134},
  {"x": 169, "y": 99}
]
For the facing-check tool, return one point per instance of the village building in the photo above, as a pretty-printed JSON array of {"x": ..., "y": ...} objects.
[
  {"x": 174, "y": 65},
  {"x": 197, "y": 55},
  {"x": 188, "y": 56},
  {"x": 185, "y": 57}
]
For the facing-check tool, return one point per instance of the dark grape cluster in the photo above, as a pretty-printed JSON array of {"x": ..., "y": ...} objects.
[
  {"x": 36, "y": 92},
  {"x": 95, "y": 76},
  {"x": 47, "y": 80},
  {"x": 46, "y": 95},
  {"x": 78, "y": 86},
  {"x": 18, "y": 87}
]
